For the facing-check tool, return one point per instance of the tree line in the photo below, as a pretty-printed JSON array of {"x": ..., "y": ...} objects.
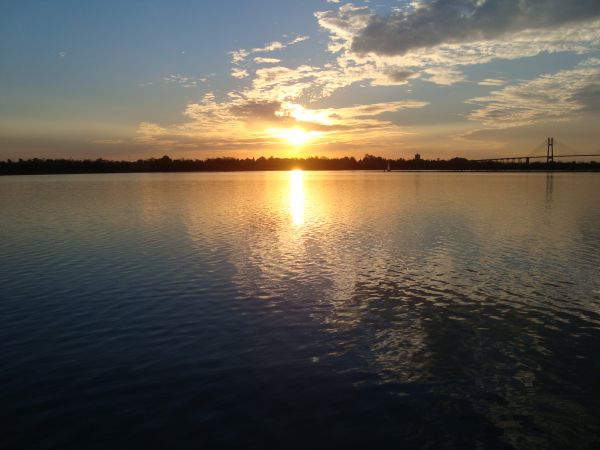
[{"x": 228, "y": 164}]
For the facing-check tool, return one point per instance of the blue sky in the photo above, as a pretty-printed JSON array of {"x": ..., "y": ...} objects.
[{"x": 129, "y": 79}]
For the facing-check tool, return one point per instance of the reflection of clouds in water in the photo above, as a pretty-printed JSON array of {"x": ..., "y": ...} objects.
[
  {"x": 437, "y": 278},
  {"x": 359, "y": 227},
  {"x": 459, "y": 295},
  {"x": 338, "y": 266}
]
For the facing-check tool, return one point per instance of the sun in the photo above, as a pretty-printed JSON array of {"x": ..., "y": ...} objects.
[{"x": 295, "y": 136}]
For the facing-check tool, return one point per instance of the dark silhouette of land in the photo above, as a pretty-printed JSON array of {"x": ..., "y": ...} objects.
[{"x": 368, "y": 162}]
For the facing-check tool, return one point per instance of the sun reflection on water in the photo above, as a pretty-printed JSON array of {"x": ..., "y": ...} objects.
[{"x": 297, "y": 196}]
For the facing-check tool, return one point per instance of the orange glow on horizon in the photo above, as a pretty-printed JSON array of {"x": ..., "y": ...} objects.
[{"x": 294, "y": 136}]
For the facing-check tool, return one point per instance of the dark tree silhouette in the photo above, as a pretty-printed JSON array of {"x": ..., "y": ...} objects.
[{"x": 228, "y": 164}]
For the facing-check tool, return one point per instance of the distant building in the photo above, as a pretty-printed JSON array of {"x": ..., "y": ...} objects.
[{"x": 417, "y": 157}]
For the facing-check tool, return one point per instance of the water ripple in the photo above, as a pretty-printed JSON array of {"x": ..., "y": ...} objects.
[{"x": 255, "y": 310}]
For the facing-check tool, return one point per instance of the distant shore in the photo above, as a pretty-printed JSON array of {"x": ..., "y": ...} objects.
[{"x": 38, "y": 166}]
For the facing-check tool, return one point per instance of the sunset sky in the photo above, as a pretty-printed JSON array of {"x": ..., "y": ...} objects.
[{"x": 195, "y": 79}]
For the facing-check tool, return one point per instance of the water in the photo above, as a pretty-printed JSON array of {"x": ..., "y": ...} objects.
[{"x": 300, "y": 310}]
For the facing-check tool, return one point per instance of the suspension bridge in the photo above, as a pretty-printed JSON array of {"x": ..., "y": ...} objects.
[{"x": 549, "y": 145}]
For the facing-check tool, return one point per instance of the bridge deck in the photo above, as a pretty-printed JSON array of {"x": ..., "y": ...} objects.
[{"x": 508, "y": 158}]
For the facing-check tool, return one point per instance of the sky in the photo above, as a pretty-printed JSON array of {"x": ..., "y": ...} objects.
[{"x": 132, "y": 79}]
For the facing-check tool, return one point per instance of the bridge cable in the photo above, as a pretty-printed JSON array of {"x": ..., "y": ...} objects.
[{"x": 539, "y": 149}]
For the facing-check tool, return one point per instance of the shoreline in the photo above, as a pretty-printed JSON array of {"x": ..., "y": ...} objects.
[
  {"x": 39, "y": 166},
  {"x": 547, "y": 171}
]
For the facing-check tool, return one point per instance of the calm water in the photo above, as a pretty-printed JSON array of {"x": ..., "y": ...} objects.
[{"x": 300, "y": 310}]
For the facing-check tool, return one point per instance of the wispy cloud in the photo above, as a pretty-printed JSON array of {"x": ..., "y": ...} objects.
[
  {"x": 239, "y": 56},
  {"x": 273, "y": 95},
  {"x": 491, "y": 82},
  {"x": 561, "y": 96},
  {"x": 261, "y": 60},
  {"x": 184, "y": 80},
  {"x": 444, "y": 75},
  {"x": 255, "y": 123},
  {"x": 108, "y": 141},
  {"x": 240, "y": 73},
  {"x": 298, "y": 39}
]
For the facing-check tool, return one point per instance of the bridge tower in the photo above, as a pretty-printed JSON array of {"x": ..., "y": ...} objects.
[{"x": 550, "y": 150}]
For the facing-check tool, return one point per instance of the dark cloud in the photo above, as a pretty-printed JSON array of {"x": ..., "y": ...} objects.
[
  {"x": 257, "y": 110},
  {"x": 263, "y": 112},
  {"x": 269, "y": 113},
  {"x": 458, "y": 21},
  {"x": 589, "y": 97},
  {"x": 400, "y": 76}
]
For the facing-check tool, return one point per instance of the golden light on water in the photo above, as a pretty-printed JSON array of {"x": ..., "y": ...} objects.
[{"x": 297, "y": 196}]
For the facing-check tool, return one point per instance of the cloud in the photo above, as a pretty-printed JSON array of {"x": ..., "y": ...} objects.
[
  {"x": 491, "y": 82},
  {"x": 183, "y": 80},
  {"x": 400, "y": 76},
  {"x": 440, "y": 22},
  {"x": 237, "y": 72},
  {"x": 441, "y": 63},
  {"x": 298, "y": 39},
  {"x": 267, "y": 113},
  {"x": 444, "y": 75},
  {"x": 261, "y": 60},
  {"x": 270, "y": 47},
  {"x": 561, "y": 96},
  {"x": 240, "y": 56},
  {"x": 276, "y": 96},
  {"x": 360, "y": 115},
  {"x": 260, "y": 124},
  {"x": 108, "y": 141},
  {"x": 343, "y": 24},
  {"x": 311, "y": 83},
  {"x": 147, "y": 132},
  {"x": 346, "y": 24},
  {"x": 588, "y": 97}
]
